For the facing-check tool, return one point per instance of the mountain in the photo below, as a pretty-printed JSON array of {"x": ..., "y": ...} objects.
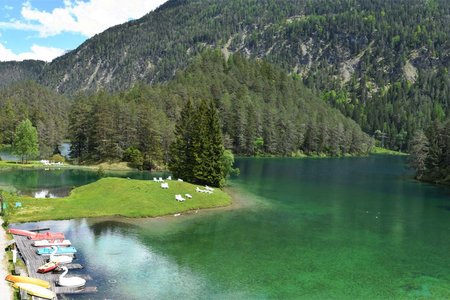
[
  {"x": 262, "y": 111},
  {"x": 12, "y": 71},
  {"x": 383, "y": 63},
  {"x": 46, "y": 109}
]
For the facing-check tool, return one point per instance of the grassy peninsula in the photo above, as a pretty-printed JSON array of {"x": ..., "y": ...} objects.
[{"x": 115, "y": 197}]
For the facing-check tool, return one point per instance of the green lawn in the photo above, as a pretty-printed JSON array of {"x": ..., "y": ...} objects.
[
  {"x": 380, "y": 150},
  {"x": 115, "y": 197}
]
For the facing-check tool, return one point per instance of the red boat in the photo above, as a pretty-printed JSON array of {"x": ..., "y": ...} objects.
[
  {"x": 47, "y": 236},
  {"x": 29, "y": 234},
  {"x": 50, "y": 266}
]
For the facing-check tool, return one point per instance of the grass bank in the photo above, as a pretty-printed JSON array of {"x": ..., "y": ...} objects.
[
  {"x": 115, "y": 197},
  {"x": 118, "y": 166},
  {"x": 384, "y": 151}
]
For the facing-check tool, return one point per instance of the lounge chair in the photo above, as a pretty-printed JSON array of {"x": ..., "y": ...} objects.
[
  {"x": 179, "y": 198},
  {"x": 160, "y": 179},
  {"x": 179, "y": 179},
  {"x": 197, "y": 189},
  {"x": 209, "y": 188},
  {"x": 188, "y": 196},
  {"x": 169, "y": 178},
  {"x": 154, "y": 179},
  {"x": 164, "y": 185}
]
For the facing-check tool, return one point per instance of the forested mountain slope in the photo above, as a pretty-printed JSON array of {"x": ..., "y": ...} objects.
[
  {"x": 46, "y": 109},
  {"x": 262, "y": 111},
  {"x": 382, "y": 62},
  {"x": 12, "y": 71}
]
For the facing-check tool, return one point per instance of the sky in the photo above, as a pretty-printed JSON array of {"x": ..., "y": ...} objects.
[{"x": 46, "y": 29}]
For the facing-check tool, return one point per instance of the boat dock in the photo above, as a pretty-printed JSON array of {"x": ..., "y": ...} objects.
[{"x": 33, "y": 261}]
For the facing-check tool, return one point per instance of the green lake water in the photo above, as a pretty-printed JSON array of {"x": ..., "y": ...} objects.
[{"x": 353, "y": 228}]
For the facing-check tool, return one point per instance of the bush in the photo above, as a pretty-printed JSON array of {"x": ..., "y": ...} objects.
[
  {"x": 57, "y": 158},
  {"x": 134, "y": 157}
]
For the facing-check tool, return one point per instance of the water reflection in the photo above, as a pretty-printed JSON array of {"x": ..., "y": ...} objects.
[
  {"x": 344, "y": 228},
  {"x": 57, "y": 182}
]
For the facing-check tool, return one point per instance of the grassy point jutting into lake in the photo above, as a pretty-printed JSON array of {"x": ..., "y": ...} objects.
[{"x": 234, "y": 149}]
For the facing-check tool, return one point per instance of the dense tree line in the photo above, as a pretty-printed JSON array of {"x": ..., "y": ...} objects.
[
  {"x": 430, "y": 153},
  {"x": 46, "y": 110},
  {"x": 262, "y": 110}
]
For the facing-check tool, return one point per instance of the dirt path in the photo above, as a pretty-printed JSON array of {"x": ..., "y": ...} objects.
[{"x": 5, "y": 288}]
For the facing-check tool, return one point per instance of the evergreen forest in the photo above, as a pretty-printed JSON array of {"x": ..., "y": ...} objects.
[
  {"x": 261, "y": 109},
  {"x": 382, "y": 63}
]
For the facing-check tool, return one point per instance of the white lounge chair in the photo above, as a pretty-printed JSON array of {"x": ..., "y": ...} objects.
[
  {"x": 209, "y": 188},
  {"x": 197, "y": 189},
  {"x": 169, "y": 178},
  {"x": 179, "y": 198},
  {"x": 160, "y": 179},
  {"x": 155, "y": 180},
  {"x": 179, "y": 179},
  {"x": 164, "y": 185},
  {"x": 188, "y": 196}
]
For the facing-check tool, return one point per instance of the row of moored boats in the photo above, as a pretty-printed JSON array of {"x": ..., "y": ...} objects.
[{"x": 60, "y": 252}]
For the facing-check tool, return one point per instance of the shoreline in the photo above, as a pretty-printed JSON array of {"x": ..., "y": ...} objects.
[{"x": 5, "y": 287}]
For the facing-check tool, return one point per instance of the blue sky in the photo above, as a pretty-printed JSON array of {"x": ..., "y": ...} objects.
[{"x": 45, "y": 29}]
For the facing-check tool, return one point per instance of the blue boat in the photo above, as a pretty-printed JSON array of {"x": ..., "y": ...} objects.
[{"x": 60, "y": 250}]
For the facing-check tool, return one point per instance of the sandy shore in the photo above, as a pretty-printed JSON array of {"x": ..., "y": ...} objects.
[{"x": 5, "y": 287}]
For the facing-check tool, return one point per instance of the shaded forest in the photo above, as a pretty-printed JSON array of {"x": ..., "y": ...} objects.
[
  {"x": 47, "y": 110},
  {"x": 262, "y": 110}
]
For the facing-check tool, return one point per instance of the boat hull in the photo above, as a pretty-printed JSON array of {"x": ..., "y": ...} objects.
[
  {"x": 48, "y": 236},
  {"x": 26, "y": 279},
  {"x": 50, "y": 266},
  {"x": 35, "y": 290},
  {"x": 47, "y": 243},
  {"x": 60, "y": 250},
  {"x": 29, "y": 234}
]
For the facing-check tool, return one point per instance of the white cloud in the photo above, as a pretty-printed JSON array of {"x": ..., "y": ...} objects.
[
  {"x": 86, "y": 18},
  {"x": 13, "y": 24},
  {"x": 36, "y": 52},
  {"x": 8, "y": 7}
]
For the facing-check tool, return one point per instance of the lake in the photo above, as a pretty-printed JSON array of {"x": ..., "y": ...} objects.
[
  {"x": 349, "y": 228},
  {"x": 54, "y": 182}
]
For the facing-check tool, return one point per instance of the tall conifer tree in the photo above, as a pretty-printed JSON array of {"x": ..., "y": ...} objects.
[{"x": 181, "y": 162}]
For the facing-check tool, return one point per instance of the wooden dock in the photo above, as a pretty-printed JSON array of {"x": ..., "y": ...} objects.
[{"x": 33, "y": 261}]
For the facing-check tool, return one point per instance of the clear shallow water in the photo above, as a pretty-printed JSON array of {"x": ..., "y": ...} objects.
[
  {"x": 356, "y": 228},
  {"x": 53, "y": 183}
]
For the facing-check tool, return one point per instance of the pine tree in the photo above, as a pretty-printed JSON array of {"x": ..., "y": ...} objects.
[
  {"x": 181, "y": 161},
  {"x": 419, "y": 152},
  {"x": 196, "y": 155},
  {"x": 208, "y": 147}
]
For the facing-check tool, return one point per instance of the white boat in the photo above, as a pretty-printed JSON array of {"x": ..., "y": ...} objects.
[
  {"x": 60, "y": 259},
  {"x": 70, "y": 281},
  {"x": 49, "y": 243},
  {"x": 35, "y": 290}
]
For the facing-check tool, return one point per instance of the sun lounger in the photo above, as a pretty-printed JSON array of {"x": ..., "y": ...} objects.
[
  {"x": 179, "y": 198},
  {"x": 179, "y": 179},
  {"x": 164, "y": 185},
  {"x": 169, "y": 178},
  {"x": 209, "y": 188},
  {"x": 188, "y": 196}
]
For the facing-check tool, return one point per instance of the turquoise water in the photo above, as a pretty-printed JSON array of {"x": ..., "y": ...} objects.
[
  {"x": 56, "y": 182},
  {"x": 357, "y": 228}
]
